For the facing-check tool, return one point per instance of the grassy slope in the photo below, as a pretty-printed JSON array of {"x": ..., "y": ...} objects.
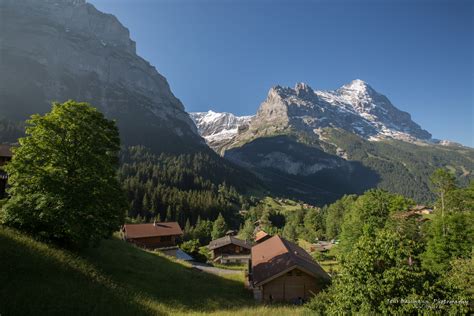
[
  {"x": 282, "y": 207},
  {"x": 113, "y": 279}
]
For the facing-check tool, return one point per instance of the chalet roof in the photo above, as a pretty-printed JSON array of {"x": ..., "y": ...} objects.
[
  {"x": 276, "y": 255},
  {"x": 260, "y": 235},
  {"x": 152, "y": 230},
  {"x": 5, "y": 150},
  {"x": 227, "y": 240}
]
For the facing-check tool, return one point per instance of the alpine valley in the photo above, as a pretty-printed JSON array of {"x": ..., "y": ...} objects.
[
  {"x": 310, "y": 145},
  {"x": 318, "y": 145}
]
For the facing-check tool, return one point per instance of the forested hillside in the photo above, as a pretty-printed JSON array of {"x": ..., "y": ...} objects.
[
  {"x": 185, "y": 186},
  {"x": 404, "y": 167},
  {"x": 10, "y": 131}
]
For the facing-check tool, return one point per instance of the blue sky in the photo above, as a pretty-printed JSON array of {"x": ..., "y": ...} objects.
[{"x": 225, "y": 55}]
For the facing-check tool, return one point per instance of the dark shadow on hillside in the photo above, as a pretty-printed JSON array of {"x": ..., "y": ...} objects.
[
  {"x": 36, "y": 280},
  {"x": 296, "y": 170},
  {"x": 166, "y": 282}
]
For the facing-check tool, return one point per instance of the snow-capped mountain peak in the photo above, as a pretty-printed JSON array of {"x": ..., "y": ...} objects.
[
  {"x": 358, "y": 86},
  {"x": 217, "y": 128},
  {"x": 355, "y": 107}
]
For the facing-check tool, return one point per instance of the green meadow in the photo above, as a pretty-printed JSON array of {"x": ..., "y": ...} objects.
[{"x": 115, "y": 279}]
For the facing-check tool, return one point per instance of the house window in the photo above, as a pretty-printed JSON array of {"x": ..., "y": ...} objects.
[{"x": 165, "y": 238}]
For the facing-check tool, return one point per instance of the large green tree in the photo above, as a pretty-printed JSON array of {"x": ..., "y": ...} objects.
[
  {"x": 451, "y": 232},
  {"x": 377, "y": 270},
  {"x": 247, "y": 231},
  {"x": 335, "y": 215},
  {"x": 63, "y": 179},
  {"x": 382, "y": 275},
  {"x": 368, "y": 213}
]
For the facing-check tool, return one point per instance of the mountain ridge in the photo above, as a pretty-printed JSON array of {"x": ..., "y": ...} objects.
[
  {"x": 352, "y": 133},
  {"x": 55, "y": 50}
]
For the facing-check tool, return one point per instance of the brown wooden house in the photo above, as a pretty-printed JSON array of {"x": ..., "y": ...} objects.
[
  {"x": 153, "y": 235},
  {"x": 230, "y": 249},
  {"x": 261, "y": 236},
  {"x": 5, "y": 157},
  {"x": 282, "y": 271}
]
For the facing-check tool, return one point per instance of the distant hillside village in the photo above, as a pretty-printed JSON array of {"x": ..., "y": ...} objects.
[{"x": 278, "y": 270}]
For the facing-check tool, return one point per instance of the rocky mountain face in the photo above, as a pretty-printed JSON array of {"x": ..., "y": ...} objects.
[
  {"x": 355, "y": 107},
  {"x": 318, "y": 145},
  {"x": 219, "y": 129},
  {"x": 55, "y": 50}
]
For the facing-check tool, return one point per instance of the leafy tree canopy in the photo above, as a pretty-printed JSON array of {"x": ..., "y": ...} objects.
[
  {"x": 368, "y": 213},
  {"x": 63, "y": 177}
]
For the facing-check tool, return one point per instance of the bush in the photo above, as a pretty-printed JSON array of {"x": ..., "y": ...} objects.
[{"x": 194, "y": 249}]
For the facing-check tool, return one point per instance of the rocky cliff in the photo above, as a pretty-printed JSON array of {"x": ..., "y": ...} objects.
[
  {"x": 55, "y": 50},
  {"x": 355, "y": 107}
]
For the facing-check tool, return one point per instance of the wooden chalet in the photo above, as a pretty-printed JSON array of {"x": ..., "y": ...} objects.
[
  {"x": 230, "y": 249},
  {"x": 5, "y": 157},
  {"x": 152, "y": 235},
  {"x": 261, "y": 236},
  {"x": 282, "y": 271}
]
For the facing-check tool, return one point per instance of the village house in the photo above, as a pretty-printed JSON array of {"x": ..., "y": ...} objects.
[
  {"x": 5, "y": 157},
  {"x": 230, "y": 249},
  {"x": 261, "y": 236},
  {"x": 282, "y": 271},
  {"x": 322, "y": 246},
  {"x": 152, "y": 235}
]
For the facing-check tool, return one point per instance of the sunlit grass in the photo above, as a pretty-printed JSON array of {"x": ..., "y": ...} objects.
[{"x": 114, "y": 279}]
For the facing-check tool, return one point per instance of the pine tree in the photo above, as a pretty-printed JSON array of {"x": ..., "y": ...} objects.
[
  {"x": 219, "y": 228},
  {"x": 146, "y": 203},
  {"x": 188, "y": 230},
  {"x": 169, "y": 214}
]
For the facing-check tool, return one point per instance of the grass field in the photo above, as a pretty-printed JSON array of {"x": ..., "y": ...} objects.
[
  {"x": 114, "y": 279},
  {"x": 236, "y": 267}
]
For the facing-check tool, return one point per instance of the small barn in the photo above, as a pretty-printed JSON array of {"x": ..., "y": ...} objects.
[
  {"x": 281, "y": 271},
  {"x": 152, "y": 235},
  {"x": 230, "y": 249}
]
